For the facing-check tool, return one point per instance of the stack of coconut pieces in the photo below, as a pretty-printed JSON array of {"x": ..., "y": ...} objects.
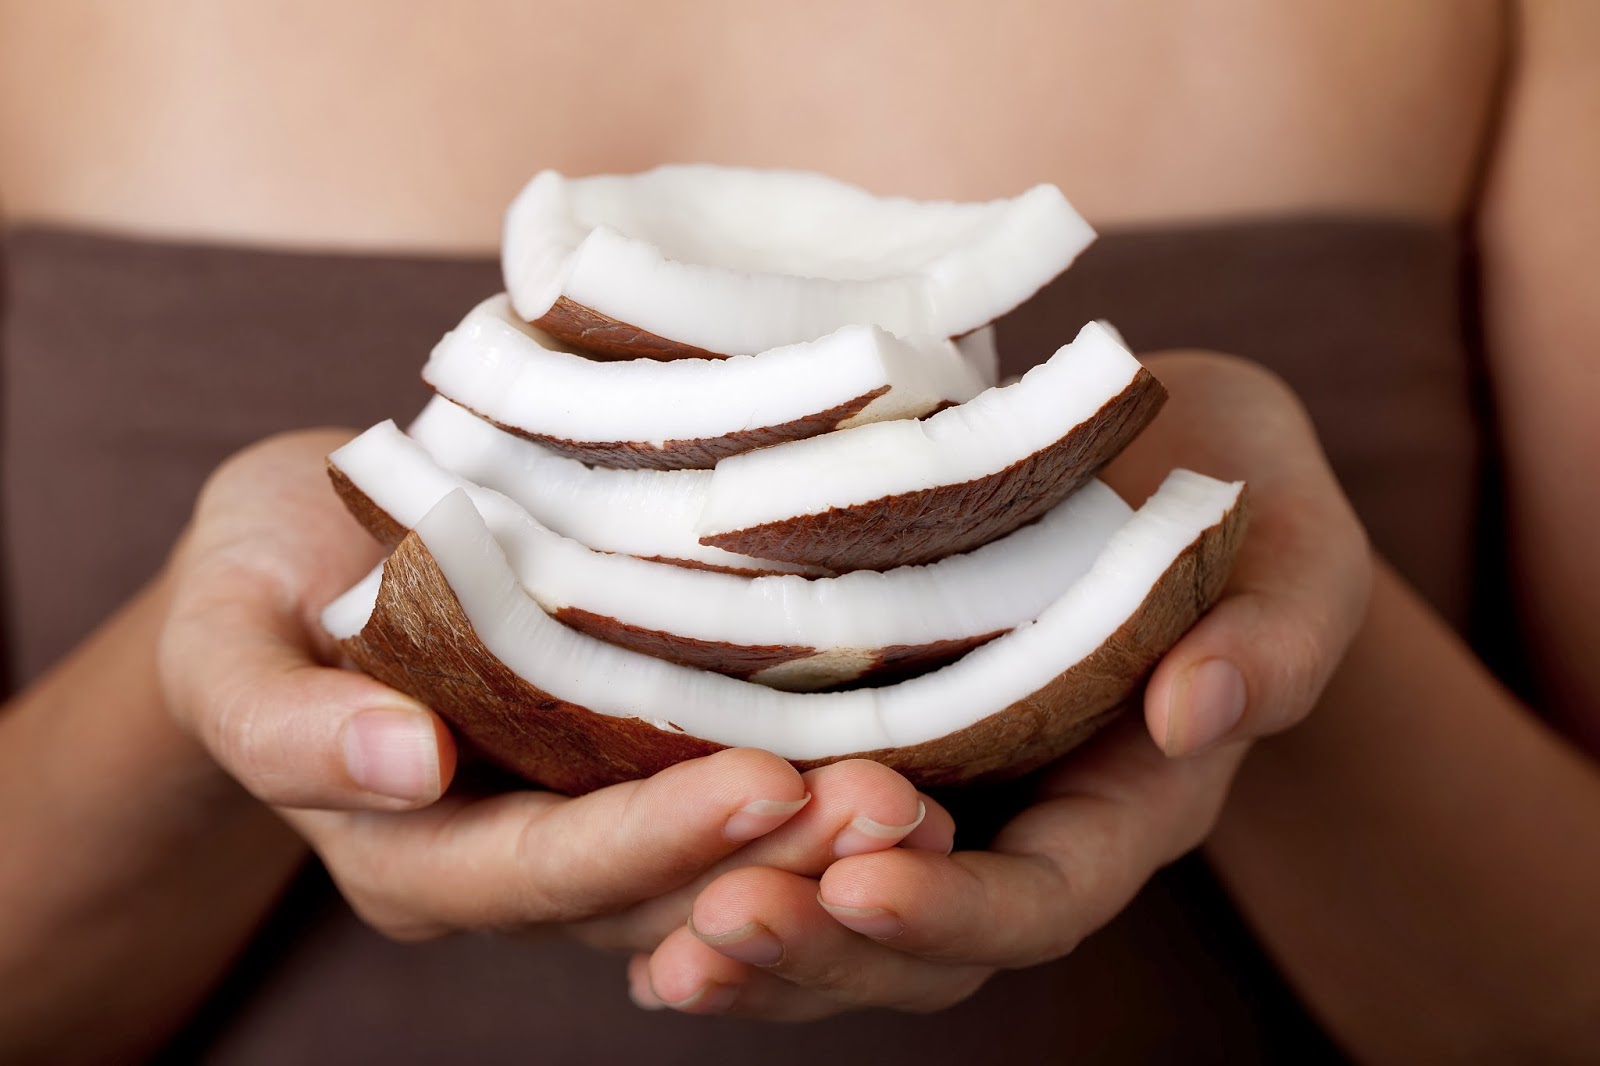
[{"x": 712, "y": 472}]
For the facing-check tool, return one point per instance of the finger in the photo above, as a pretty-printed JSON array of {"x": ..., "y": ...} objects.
[
  {"x": 241, "y": 675},
  {"x": 721, "y": 986},
  {"x": 1257, "y": 661},
  {"x": 937, "y": 833},
  {"x": 535, "y": 858},
  {"x": 856, "y": 806},
  {"x": 771, "y": 920},
  {"x": 244, "y": 662},
  {"x": 1056, "y": 873},
  {"x": 684, "y": 975}
]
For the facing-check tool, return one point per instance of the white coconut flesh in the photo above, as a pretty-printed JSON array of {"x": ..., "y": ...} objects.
[
  {"x": 612, "y": 681},
  {"x": 818, "y": 632},
  {"x": 989, "y": 433},
  {"x": 648, "y": 513},
  {"x": 521, "y": 378},
  {"x": 736, "y": 261},
  {"x": 982, "y": 352}
]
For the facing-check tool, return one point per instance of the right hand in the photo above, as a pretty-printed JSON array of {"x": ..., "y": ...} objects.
[
  {"x": 921, "y": 932},
  {"x": 361, "y": 770}
]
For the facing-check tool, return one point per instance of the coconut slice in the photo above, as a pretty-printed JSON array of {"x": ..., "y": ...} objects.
[
  {"x": 652, "y": 514},
  {"x": 689, "y": 412},
  {"x": 449, "y": 624},
  {"x": 647, "y": 513},
  {"x": 702, "y": 260},
  {"x": 982, "y": 352},
  {"x": 905, "y": 492},
  {"x": 783, "y": 631}
]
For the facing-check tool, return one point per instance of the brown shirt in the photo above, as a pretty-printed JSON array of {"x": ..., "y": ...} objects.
[{"x": 132, "y": 368}]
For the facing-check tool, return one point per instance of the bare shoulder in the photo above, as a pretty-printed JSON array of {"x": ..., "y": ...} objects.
[{"x": 1539, "y": 226}]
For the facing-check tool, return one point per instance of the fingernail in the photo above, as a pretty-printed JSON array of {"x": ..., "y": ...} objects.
[
  {"x": 393, "y": 753},
  {"x": 712, "y": 998},
  {"x": 751, "y": 943},
  {"x": 863, "y": 834},
  {"x": 874, "y": 922},
  {"x": 1206, "y": 704},
  {"x": 761, "y": 817}
]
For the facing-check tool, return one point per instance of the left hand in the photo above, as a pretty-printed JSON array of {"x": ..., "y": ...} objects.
[
  {"x": 246, "y": 670},
  {"x": 922, "y": 931}
]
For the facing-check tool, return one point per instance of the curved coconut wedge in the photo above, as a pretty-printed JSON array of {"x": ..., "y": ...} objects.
[
  {"x": 688, "y": 412},
  {"x": 783, "y": 631},
  {"x": 449, "y": 624},
  {"x": 647, "y": 513},
  {"x": 703, "y": 260},
  {"x": 896, "y": 493}
]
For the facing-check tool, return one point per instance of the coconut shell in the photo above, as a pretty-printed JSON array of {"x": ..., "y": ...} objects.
[
  {"x": 378, "y": 523},
  {"x": 929, "y": 524},
  {"x": 386, "y": 531},
  {"x": 700, "y": 454},
  {"x": 603, "y": 337},
  {"x": 419, "y": 640},
  {"x": 794, "y": 668},
  {"x": 790, "y": 667},
  {"x": 737, "y": 571}
]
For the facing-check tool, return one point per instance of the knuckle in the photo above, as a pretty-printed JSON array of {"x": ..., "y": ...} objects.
[
  {"x": 955, "y": 990},
  {"x": 1287, "y": 647},
  {"x": 1195, "y": 822},
  {"x": 1088, "y": 884},
  {"x": 541, "y": 898},
  {"x": 393, "y": 924},
  {"x": 374, "y": 894},
  {"x": 847, "y": 981},
  {"x": 274, "y": 759},
  {"x": 233, "y": 731},
  {"x": 750, "y": 762},
  {"x": 729, "y": 899},
  {"x": 1308, "y": 651},
  {"x": 1059, "y": 939}
]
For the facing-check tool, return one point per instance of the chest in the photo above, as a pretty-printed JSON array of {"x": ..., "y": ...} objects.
[{"x": 412, "y": 123}]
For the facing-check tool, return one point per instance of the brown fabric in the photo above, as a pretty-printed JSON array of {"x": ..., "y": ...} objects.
[
  {"x": 1365, "y": 321},
  {"x": 132, "y": 368}
]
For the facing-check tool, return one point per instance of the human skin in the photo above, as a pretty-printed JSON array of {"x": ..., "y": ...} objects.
[
  {"x": 171, "y": 863},
  {"x": 1422, "y": 854},
  {"x": 227, "y": 652},
  {"x": 1260, "y": 112}
]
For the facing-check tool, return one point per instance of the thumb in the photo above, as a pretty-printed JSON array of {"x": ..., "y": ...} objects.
[
  {"x": 242, "y": 675},
  {"x": 244, "y": 663},
  {"x": 1257, "y": 662}
]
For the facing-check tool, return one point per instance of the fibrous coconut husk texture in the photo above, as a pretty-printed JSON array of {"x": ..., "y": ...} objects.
[
  {"x": 420, "y": 641},
  {"x": 928, "y": 524},
  {"x": 603, "y": 337}
]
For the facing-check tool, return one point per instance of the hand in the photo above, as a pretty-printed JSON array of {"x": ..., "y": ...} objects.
[
  {"x": 917, "y": 931},
  {"x": 360, "y": 769}
]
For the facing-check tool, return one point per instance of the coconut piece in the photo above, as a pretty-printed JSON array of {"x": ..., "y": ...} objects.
[
  {"x": 895, "y": 493},
  {"x": 647, "y": 513},
  {"x": 783, "y": 631},
  {"x": 982, "y": 352},
  {"x": 703, "y": 260},
  {"x": 688, "y": 412},
  {"x": 448, "y": 623}
]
